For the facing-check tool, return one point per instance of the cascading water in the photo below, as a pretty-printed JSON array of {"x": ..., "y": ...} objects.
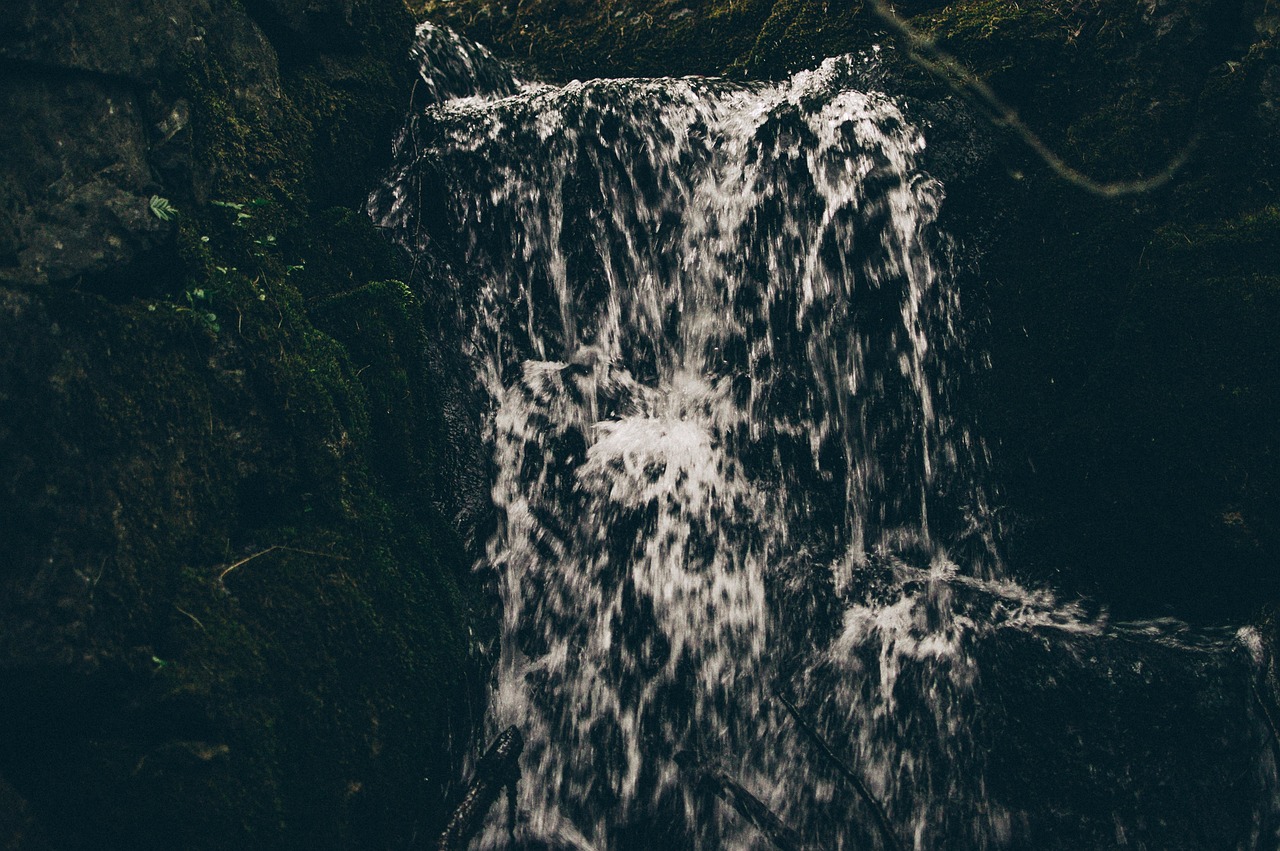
[{"x": 720, "y": 334}]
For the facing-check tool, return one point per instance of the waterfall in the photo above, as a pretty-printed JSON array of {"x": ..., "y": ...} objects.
[{"x": 720, "y": 334}]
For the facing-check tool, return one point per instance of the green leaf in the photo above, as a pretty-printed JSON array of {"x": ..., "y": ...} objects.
[{"x": 163, "y": 210}]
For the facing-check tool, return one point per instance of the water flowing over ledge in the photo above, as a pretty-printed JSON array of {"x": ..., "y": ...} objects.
[{"x": 721, "y": 340}]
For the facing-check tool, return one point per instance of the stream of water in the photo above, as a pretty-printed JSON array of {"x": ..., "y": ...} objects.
[{"x": 721, "y": 337}]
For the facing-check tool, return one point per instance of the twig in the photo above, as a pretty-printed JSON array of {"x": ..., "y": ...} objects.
[
  {"x": 882, "y": 820},
  {"x": 743, "y": 803},
  {"x": 274, "y": 548},
  {"x": 188, "y": 614},
  {"x": 925, "y": 52},
  {"x": 245, "y": 560}
]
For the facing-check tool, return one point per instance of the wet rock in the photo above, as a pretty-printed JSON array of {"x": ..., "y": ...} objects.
[
  {"x": 1269, "y": 106},
  {"x": 1125, "y": 738},
  {"x": 1165, "y": 16}
]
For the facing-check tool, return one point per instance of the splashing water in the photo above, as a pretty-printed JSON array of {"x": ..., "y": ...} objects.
[{"x": 721, "y": 338}]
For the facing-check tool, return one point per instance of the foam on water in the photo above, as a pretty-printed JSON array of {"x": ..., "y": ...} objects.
[{"x": 721, "y": 338}]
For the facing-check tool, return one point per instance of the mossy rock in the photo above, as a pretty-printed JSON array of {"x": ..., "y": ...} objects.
[
  {"x": 325, "y": 673},
  {"x": 237, "y": 605}
]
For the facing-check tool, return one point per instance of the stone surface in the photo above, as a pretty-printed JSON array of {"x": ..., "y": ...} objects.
[
  {"x": 93, "y": 88},
  {"x": 17, "y": 827},
  {"x": 237, "y": 454},
  {"x": 75, "y": 181},
  {"x": 133, "y": 40}
]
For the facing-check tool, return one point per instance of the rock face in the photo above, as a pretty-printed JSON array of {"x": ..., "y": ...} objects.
[
  {"x": 86, "y": 212},
  {"x": 238, "y": 471},
  {"x": 87, "y": 84},
  {"x": 236, "y": 467},
  {"x": 1134, "y": 375}
]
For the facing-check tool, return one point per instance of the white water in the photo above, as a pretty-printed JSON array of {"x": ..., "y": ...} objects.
[{"x": 721, "y": 339}]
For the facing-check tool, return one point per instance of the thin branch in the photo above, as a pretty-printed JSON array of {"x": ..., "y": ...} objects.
[
  {"x": 188, "y": 614},
  {"x": 245, "y": 560},
  {"x": 271, "y": 549},
  {"x": 757, "y": 814},
  {"x": 882, "y": 820},
  {"x": 925, "y": 52}
]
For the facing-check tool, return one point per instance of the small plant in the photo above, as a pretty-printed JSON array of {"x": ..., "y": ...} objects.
[
  {"x": 198, "y": 303},
  {"x": 162, "y": 209},
  {"x": 243, "y": 216}
]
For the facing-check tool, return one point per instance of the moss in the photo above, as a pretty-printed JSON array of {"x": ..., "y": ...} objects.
[
  {"x": 290, "y": 669},
  {"x": 800, "y": 33},
  {"x": 988, "y": 22},
  {"x": 239, "y": 155},
  {"x": 269, "y": 396},
  {"x": 354, "y": 102}
]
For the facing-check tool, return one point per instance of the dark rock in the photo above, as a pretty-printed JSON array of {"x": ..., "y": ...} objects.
[
  {"x": 75, "y": 182},
  {"x": 1269, "y": 104},
  {"x": 237, "y": 452},
  {"x": 1104, "y": 742},
  {"x": 132, "y": 40},
  {"x": 307, "y": 25},
  {"x": 90, "y": 146},
  {"x": 18, "y": 830}
]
